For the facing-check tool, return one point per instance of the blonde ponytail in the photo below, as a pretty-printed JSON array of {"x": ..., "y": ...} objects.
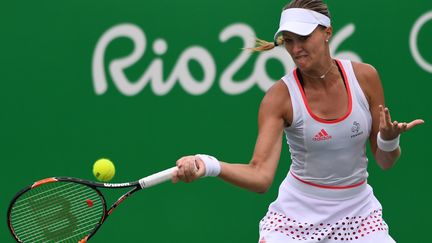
[{"x": 262, "y": 45}]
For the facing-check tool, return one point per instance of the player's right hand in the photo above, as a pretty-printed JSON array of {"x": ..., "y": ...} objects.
[{"x": 190, "y": 168}]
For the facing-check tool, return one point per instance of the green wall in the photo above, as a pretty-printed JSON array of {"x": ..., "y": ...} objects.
[{"x": 76, "y": 87}]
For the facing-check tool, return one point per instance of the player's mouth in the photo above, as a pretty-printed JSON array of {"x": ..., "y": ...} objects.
[{"x": 300, "y": 57}]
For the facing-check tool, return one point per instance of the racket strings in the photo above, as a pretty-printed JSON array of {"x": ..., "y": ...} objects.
[
  {"x": 21, "y": 206},
  {"x": 56, "y": 212}
]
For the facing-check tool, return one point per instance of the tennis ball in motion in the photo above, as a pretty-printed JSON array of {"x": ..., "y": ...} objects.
[{"x": 103, "y": 170}]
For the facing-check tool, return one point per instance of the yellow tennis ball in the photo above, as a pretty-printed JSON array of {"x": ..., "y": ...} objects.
[{"x": 103, "y": 170}]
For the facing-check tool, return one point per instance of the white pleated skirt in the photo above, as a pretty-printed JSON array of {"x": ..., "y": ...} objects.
[{"x": 306, "y": 213}]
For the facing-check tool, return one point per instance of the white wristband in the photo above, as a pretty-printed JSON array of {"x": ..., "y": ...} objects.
[
  {"x": 212, "y": 165},
  {"x": 387, "y": 145}
]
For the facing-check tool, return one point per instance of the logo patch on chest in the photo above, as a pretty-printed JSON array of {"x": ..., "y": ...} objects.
[
  {"x": 322, "y": 135},
  {"x": 355, "y": 129}
]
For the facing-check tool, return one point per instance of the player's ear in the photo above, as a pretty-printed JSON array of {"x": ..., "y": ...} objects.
[{"x": 329, "y": 32}]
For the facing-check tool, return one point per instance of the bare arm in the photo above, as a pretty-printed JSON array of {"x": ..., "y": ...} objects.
[
  {"x": 381, "y": 119},
  {"x": 258, "y": 175}
]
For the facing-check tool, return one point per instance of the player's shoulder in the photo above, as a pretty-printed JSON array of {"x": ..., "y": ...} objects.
[
  {"x": 364, "y": 70},
  {"x": 277, "y": 98},
  {"x": 278, "y": 92},
  {"x": 368, "y": 78}
]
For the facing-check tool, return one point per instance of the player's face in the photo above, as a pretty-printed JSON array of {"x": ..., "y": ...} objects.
[{"x": 306, "y": 51}]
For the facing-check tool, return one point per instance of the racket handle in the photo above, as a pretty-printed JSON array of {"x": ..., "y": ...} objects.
[{"x": 157, "y": 178}]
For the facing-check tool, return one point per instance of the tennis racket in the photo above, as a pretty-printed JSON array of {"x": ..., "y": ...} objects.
[{"x": 66, "y": 209}]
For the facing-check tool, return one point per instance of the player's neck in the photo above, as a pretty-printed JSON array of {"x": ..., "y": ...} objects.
[{"x": 322, "y": 75}]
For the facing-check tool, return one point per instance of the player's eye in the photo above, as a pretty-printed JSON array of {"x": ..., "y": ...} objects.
[
  {"x": 288, "y": 40},
  {"x": 304, "y": 38}
]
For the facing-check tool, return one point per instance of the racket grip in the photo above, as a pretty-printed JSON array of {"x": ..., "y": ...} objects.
[{"x": 157, "y": 178}]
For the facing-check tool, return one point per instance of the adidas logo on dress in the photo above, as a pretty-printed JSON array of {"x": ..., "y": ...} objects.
[{"x": 322, "y": 135}]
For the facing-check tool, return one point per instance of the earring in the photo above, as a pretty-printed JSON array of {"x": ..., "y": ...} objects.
[{"x": 327, "y": 40}]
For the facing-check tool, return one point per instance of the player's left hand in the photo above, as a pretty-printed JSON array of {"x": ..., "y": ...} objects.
[{"x": 391, "y": 129}]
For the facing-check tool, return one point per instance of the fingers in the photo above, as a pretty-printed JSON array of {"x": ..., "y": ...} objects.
[
  {"x": 382, "y": 116},
  {"x": 386, "y": 126},
  {"x": 385, "y": 119},
  {"x": 200, "y": 166},
  {"x": 187, "y": 169},
  {"x": 395, "y": 125},
  {"x": 388, "y": 121},
  {"x": 389, "y": 129},
  {"x": 413, "y": 124},
  {"x": 175, "y": 177},
  {"x": 403, "y": 126}
]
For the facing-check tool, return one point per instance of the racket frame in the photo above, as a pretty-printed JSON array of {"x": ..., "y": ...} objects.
[{"x": 135, "y": 185}]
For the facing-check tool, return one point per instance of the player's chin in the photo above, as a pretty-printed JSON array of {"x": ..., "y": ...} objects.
[{"x": 302, "y": 62}]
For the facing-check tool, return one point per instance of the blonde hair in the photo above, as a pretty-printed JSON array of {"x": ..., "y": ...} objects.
[{"x": 315, "y": 5}]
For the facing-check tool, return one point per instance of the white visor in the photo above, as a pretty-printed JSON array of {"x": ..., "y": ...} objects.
[{"x": 301, "y": 21}]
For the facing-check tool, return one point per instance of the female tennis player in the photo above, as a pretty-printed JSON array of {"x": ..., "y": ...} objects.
[{"x": 328, "y": 109}]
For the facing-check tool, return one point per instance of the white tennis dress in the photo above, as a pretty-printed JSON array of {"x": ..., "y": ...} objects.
[{"x": 325, "y": 196}]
